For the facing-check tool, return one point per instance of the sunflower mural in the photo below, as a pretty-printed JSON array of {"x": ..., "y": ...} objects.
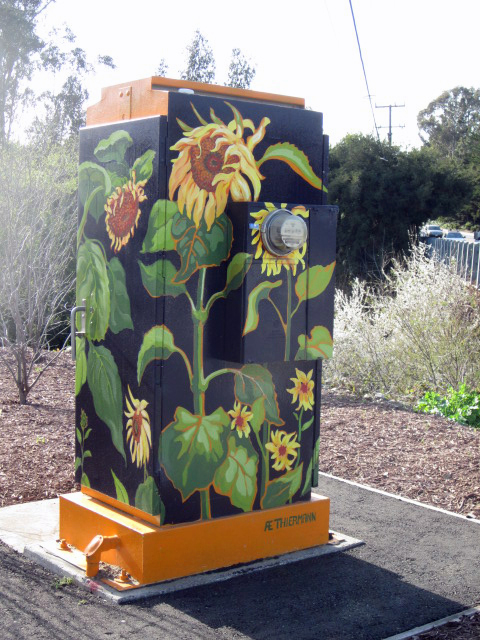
[
  {"x": 213, "y": 163},
  {"x": 175, "y": 428}
]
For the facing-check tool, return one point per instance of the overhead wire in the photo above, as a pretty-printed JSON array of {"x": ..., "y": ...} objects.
[{"x": 364, "y": 72}]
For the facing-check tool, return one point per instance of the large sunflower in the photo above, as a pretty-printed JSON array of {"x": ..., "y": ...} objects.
[
  {"x": 303, "y": 390},
  {"x": 123, "y": 211},
  {"x": 270, "y": 263},
  {"x": 138, "y": 429},
  {"x": 283, "y": 447},
  {"x": 211, "y": 165}
]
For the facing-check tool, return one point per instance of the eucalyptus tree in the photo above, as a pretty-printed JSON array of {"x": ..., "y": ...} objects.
[
  {"x": 241, "y": 71},
  {"x": 451, "y": 122},
  {"x": 201, "y": 65}
]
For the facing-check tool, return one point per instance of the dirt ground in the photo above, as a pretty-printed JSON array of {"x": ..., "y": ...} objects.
[{"x": 376, "y": 443}]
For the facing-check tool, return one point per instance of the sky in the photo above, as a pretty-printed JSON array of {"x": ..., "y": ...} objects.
[{"x": 413, "y": 50}]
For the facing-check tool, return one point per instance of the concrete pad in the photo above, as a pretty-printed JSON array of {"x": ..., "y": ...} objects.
[
  {"x": 32, "y": 528},
  {"x": 29, "y": 523},
  {"x": 45, "y": 556}
]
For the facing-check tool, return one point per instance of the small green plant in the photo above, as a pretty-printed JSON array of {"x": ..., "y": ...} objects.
[
  {"x": 463, "y": 405},
  {"x": 62, "y": 582},
  {"x": 40, "y": 440}
]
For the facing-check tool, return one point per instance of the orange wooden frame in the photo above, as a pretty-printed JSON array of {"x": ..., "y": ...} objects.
[
  {"x": 154, "y": 554},
  {"x": 149, "y": 97}
]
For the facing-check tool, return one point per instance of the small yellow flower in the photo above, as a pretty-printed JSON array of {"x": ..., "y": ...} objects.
[
  {"x": 282, "y": 447},
  {"x": 211, "y": 165},
  {"x": 303, "y": 389},
  {"x": 138, "y": 429},
  {"x": 241, "y": 416},
  {"x": 123, "y": 211},
  {"x": 270, "y": 263}
]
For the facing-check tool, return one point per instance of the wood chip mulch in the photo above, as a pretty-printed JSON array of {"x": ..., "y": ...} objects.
[
  {"x": 376, "y": 443},
  {"x": 390, "y": 447}
]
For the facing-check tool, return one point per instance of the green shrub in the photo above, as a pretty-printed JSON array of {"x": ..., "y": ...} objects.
[{"x": 463, "y": 406}]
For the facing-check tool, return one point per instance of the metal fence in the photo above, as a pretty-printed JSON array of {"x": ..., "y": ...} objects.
[{"x": 464, "y": 255}]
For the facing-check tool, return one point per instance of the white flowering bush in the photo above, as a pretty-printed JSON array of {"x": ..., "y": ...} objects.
[{"x": 420, "y": 332}]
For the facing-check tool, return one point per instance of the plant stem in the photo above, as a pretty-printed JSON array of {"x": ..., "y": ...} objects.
[
  {"x": 264, "y": 458},
  {"x": 198, "y": 380},
  {"x": 88, "y": 202},
  {"x": 299, "y": 436},
  {"x": 265, "y": 468},
  {"x": 206, "y": 513},
  {"x": 289, "y": 315}
]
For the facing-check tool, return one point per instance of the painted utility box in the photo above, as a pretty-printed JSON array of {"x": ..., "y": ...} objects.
[{"x": 206, "y": 254}]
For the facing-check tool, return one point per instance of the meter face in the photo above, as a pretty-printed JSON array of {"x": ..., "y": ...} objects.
[
  {"x": 293, "y": 232},
  {"x": 283, "y": 232}
]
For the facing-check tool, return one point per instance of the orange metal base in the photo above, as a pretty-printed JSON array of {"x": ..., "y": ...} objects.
[{"x": 152, "y": 553}]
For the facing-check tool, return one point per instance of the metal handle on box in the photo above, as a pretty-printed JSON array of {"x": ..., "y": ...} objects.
[{"x": 73, "y": 332}]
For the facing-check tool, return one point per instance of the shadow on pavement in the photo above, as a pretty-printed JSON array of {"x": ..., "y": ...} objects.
[{"x": 332, "y": 597}]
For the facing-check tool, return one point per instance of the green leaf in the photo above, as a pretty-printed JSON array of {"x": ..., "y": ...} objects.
[
  {"x": 313, "y": 281},
  {"x": 307, "y": 424},
  {"x": 279, "y": 491},
  {"x": 80, "y": 364},
  {"x": 193, "y": 447},
  {"x": 94, "y": 186},
  {"x": 236, "y": 271},
  {"x": 87, "y": 433},
  {"x": 122, "y": 495},
  {"x": 120, "y": 315},
  {"x": 158, "y": 344},
  {"x": 79, "y": 435},
  {"x": 93, "y": 286},
  {"x": 114, "y": 147},
  {"x": 157, "y": 278},
  {"x": 119, "y": 174},
  {"x": 106, "y": 389},
  {"x": 236, "y": 478},
  {"x": 296, "y": 160},
  {"x": 199, "y": 248},
  {"x": 308, "y": 479},
  {"x": 258, "y": 414},
  {"x": 159, "y": 232},
  {"x": 84, "y": 480},
  {"x": 148, "y": 499},
  {"x": 253, "y": 381},
  {"x": 319, "y": 344},
  {"x": 315, "y": 462},
  {"x": 87, "y": 454},
  {"x": 78, "y": 463},
  {"x": 259, "y": 293},
  {"x": 143, "y": 166}
]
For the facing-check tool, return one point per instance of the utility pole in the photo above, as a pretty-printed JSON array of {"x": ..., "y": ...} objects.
[{"x": 398, "y": 126}]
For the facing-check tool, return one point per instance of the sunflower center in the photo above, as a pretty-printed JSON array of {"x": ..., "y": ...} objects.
[
  {"x": 206, "y": 163},
  {"x": 137, "y": 422},
  {"x": 124, "y": 214},
  {"x": 240, "y": 422},
  {"x": 303, "y": 387},
  {"x": 282, "y": 450}
]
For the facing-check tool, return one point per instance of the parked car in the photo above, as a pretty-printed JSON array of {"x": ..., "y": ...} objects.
[
  {"x": 454, "y": 235},
  {"x": 431, "y": 231}
]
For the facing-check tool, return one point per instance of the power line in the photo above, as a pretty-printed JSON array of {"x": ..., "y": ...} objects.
[{"x": 364, "y": 72}]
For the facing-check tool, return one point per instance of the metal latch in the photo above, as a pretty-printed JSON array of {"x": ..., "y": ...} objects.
[{"x": 73, "y": 333}]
